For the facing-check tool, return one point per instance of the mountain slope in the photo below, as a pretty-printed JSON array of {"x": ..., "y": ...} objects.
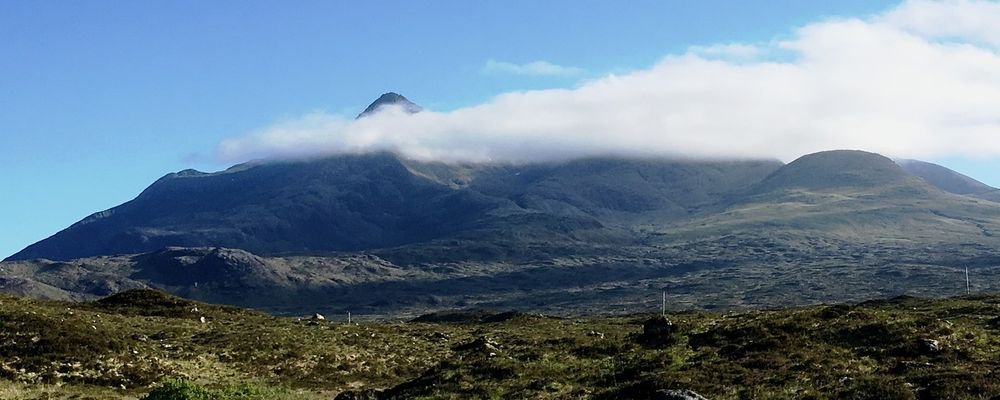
[
  {"x": 949, "y": 180},
  {"x": 614, "y": 190},
  {"x": 339, "y": 203},
  {"x": 842, "y": 171},
  {"x": 378, "y": 201},
  {"x": 591, "y": 235},
  {"x": 853, "y": 195}
]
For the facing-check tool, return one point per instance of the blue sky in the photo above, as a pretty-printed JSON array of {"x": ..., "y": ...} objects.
[{"x": 99, "y": 99}]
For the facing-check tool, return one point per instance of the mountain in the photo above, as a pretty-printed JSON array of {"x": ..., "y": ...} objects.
[
  {"x": 332, "y": 204},
  {"x": 949, "y": 180},
  {"x": 390, "y": 99},
  {"x": 849, "y": 195},
  {"x": 382, "y": 201},
  {"x": 381, "y": 234},
  {"x": 842, "y": 171}
]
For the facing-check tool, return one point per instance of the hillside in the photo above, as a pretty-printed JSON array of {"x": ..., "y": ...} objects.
[
  {"x": 342, "y": 203},
  {"x": 950, "y": 181},
  {"x": 384, "y": 236},
  {"x": 902, "y": 348},
  {"x": 842, "y": 171},
  {"x": 852, "y": 196},
  {"x": 364, "y": 202}
]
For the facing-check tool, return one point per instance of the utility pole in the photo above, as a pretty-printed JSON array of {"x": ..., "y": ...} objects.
[
  {"x": 663, "y": 306},
  {"x": 968, "y": 287},
  {"x": 348, "y": 317}
]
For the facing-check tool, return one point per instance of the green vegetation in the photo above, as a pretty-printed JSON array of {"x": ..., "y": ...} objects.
[
  {"x": 178, "y": 389},
  {"x": 905, "y": 348}
]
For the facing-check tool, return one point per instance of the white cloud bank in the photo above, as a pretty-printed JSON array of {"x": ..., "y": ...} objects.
[{"x": 920, "y": 80}]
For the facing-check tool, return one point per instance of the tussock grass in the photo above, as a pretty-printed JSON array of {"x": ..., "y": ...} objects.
[{"x": 159, "y": 348}]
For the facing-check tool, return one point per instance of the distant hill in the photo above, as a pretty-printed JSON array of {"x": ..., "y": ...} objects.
[
  {"x": 842, "y": 170},
  {"x": 949, "y": 180},
  {"x": 851, "y": 195}
]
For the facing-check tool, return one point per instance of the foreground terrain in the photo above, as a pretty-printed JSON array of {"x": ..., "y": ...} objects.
[{"x": 135, "y": 342}]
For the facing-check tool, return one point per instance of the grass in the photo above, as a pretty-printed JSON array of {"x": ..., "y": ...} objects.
[
  {"x": 160, "y": 348},
  {"x": 179, "y": 389}
]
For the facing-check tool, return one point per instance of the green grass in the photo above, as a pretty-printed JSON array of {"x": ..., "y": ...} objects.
[
  {"x": 160, "y": 350},
  {"x": 179, "y": 389}
]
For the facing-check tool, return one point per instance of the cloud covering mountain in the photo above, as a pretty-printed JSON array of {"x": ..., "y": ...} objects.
[{"x": 920, "y": 80}]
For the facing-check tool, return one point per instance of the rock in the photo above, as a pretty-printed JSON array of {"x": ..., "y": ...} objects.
[
  {"x": 678, "y": 394},
  {"x": 930, "y": 346},
  {"x": 658, "y": 326},
  {"x": 367, "y": 394},
  {"x": 439, "y": 337},
  {"x": 482, "y": 344},
  {"x": 318, "y": 317},
  {"x": 202, "y": 320},
  {"x": 596, "y": 334}
]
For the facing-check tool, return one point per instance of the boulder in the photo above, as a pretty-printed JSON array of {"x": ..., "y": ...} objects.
[
  {"x": 482, "y": 344},
  {"x": 930, "y": 346}
]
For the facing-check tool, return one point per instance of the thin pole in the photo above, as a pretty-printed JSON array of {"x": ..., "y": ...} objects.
[
  {"x": 968, "y": 288},
  {"x": 348, "y": 317},
  {"x": 663, "y": 306}
]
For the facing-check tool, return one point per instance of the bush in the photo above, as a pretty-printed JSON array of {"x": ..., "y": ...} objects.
[{"x": 177, "y": 389}]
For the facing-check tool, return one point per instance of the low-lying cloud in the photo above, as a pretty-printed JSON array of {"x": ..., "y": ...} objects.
[{"x": 920, "y": 80}]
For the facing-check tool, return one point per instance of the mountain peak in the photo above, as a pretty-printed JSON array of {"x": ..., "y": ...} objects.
[
  {"x": 390, "y": 99},
  {"x": 839, "y": 169}
]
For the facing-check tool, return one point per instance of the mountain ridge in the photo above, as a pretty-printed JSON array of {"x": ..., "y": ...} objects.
[
  {"x": 564, "y": 237},
  {"x": 382, "y": 234},
  {"x": 608, "y": 191}
]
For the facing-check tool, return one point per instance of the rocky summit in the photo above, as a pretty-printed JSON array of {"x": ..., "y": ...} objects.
[{"x": 390, "y": 99}]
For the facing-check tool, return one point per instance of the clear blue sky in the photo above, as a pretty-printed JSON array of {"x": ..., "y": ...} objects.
[{"x": 100, "y": 98}]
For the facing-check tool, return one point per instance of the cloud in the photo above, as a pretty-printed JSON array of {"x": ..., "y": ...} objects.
[
  {"x": 973, "y": 20},
  {"x": 917, "y": 81},
  {"x": 731, "y": 51},
  {"x": 539, "y": 68}
]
